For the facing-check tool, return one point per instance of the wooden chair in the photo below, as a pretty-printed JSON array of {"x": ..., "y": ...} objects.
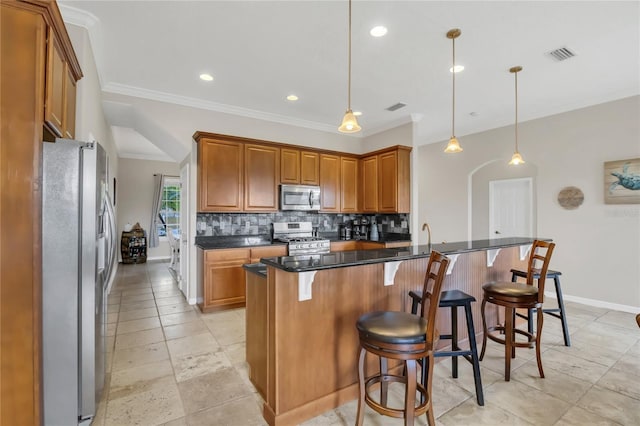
[
  {"x": 406, "y": 337},
  {"x": 638, "y": 319},
  {"x": 512, "y": 296}
]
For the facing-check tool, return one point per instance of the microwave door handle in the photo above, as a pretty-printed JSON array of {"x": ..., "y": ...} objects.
[{"x": 310, "y": 198}]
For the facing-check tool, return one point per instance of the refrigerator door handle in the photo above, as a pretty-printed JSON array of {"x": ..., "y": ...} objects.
[{"x": 111, "y": 243}]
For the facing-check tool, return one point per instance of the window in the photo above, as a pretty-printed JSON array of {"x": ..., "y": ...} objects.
[{"x": 170, "y": 208}]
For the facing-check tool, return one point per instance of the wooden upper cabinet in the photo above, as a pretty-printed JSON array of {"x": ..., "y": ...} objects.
[
  {"x": 220, "y": 175},
  {"x": 329, "y": 183},
  {"x": 56, "y": 76},
  {"x": 348, "y": 184},
  {"x": 309, "y": 168},
  {"x": 394, "y": 181},
  {"x": 369, "y": 184},
  {"x": 262, "y": 174},
  {"x": 70, "y": 107},
  {"x": 290, "y": 165}
]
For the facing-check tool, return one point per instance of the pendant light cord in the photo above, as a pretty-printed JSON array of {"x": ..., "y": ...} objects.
[
  {"x": 516, "y": 80},
  {"x": 453, "y": 107},
  {"x": 349, "y": 79}
]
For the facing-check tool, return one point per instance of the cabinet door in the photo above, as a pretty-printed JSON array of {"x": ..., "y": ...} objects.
[
  {"x": 220, "y": 177},
  {"x": 258, "y": 253},
  {"x": 344, "y": 245},
  {"x": 388, "y": 181},
  {"x": 329, "y": 183},
  {"x": 348, "y": 185},
  {"x": 55, "y": 81},
  {"x": 70, "y": 106},
  {"x": 289, "y": 165},
  {"x": 309, "y": 168},
  {"x": 262, "y": 174},
  {"x": 224, "y": 281},
  {"x": 369, "y": 184}
]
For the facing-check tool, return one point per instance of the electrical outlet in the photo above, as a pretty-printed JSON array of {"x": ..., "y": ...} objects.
[
  {"x": 247, "y": 224},
  {"x": 326, "y": 223},
  {"x": 403, "y": 224},
  {"x": 391, "y": 223}
]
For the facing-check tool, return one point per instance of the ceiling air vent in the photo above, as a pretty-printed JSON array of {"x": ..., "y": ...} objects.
[
  {"x": 561, "y": 54},
  {"x": 396, "y": 106}
]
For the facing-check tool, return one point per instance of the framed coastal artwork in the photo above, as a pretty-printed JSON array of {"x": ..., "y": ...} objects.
[{"x": 622, "y": 181}]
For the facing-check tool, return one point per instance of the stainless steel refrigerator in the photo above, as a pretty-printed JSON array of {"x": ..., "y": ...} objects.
[{"x": 78, "y": 255}]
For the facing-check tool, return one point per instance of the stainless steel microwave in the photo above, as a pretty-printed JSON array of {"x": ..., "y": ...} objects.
[{"x": 299, "y": 197}]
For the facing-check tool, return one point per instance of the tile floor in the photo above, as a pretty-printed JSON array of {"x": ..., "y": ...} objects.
[{"x": 169, "y": 364}]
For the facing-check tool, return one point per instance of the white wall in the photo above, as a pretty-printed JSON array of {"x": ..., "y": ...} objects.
[
  {"x": 401, "y": 135},
  {"x": 135, "y": 196},
  {"x": 598, "y": 245}
]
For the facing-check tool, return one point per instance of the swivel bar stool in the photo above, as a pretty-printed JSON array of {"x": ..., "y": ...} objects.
[
  {"x": 405, "y": 337},
  {"x": 514, "y": 296},
  {"x": 453, "y": 299},
  {"x": 558, "y": 312}
]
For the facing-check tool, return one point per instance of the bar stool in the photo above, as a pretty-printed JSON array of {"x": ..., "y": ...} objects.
[
  {"x": 405, "y": 337},
  {"x": 452, "y": 299},
  {"x": 514, "y": 296},
  {"x": 515, "y": 273}
]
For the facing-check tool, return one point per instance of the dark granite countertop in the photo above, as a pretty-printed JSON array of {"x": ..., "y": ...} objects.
[
  {"x": 363, "y": 257},
  {"x": 256, "y": 268},
  {"x": 234, "y": 241}
]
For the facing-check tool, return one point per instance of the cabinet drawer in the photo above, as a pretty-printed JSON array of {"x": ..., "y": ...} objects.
[{"x": 227, "y": 255}]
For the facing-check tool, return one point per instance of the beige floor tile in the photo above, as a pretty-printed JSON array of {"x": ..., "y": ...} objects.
[
  {"x": 600, "y": 354},
  {"x": 136, "y": 291},
  {"x": 630, "y": 363},
  {"x": 236, "y": 352},
  {"x": 238, "y": 412},
  {"x": 138, "y": 314},
  {"x": 611, "y": 405},
  {"x": 112, "y": 318},
  {"x": 619, "y": 319},
  {"x": 110, "y": 329},
  {"x": 193, "y": 365},
  {"x": 139, "y": 355},
  {"x": 184, "y": 330},
  {"x": 175, "y": 308},
  {"x": 179, "y": 318},
  {"x": 169, "y": 292},
  {"x": 139, "y": 338},
  {"x": 494, "y": 358},
  {"x": 228, "y": 332},
  {"x": 140, "y": 378},
  {"x": 137, "y": 305},
  {"x": 138, "y": 325},
  {"x": 153, "y": 407},
  {"x": 607, "y": 336},
  {"x": 113, "y": 308},
  {"x": 329, "y": 418},
  {"x": 580, "y": 368},
  {"x": 577, "y": 416},
  {"x": 468, "y": 413},
  {"x": 622, "y": 380},
  {"x": 526, "y": 402},
  {"x": 212, "y": 390},
  {"x": 182, "y": 421},
  {"x": 167, "y": 301},
  {"x": 136, "y": 298},
  {"x": 465, "y": 379},
  {"x": 110, "y": 343},
  {"x": 555, "y": 383},
  {"x": 190, "y": 345}
]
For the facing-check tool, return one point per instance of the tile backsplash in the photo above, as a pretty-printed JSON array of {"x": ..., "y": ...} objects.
[{"x": 219, "y": 224}]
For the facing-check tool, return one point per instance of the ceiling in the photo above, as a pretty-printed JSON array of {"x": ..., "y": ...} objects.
[{"x": 261, "y": 51}]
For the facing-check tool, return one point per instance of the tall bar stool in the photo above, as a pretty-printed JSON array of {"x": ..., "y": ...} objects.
[
  {"x": 406, "y": 337},
  {"x": 453, "y": 299},
  {"x": 514, "y": 296},
  {"x": 558, "y": 312}
]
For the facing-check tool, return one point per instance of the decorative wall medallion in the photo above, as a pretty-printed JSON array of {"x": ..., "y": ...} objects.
[{"x": 570, "y": 197}]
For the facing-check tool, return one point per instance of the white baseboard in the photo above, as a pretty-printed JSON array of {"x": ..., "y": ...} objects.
[
  {"x": 159, "y": 258},
  {"x": 596, "y": 303},
  {"x": 192, "y": 301}
]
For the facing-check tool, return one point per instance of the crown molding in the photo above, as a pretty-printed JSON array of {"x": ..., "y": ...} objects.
[
  {"x": 400, "y": 121},
  {"x": 146, "y": 157},
  {"x": 138, "y": 92},
  {"x": 78, "y": 17}
]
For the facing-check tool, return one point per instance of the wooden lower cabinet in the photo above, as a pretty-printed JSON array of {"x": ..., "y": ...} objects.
[
  {"x": 344, "y": 245},
  {"x": 221, "y": 278},
  {"x": 366, "y": 245}
]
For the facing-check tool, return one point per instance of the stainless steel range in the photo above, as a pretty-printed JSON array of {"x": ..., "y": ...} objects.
[{"x": 300, "y": 238}]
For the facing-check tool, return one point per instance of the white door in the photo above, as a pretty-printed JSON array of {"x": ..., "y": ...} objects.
[
  {"x": 510, "y": 208},
  {"x": 184, "y": 230}
]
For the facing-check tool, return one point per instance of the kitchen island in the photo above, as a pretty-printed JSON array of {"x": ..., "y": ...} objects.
[{"x": 302, "y": 343}]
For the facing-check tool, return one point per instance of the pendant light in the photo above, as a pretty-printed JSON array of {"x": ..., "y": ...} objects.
[
  {"x": 516, "y": 158},
  {"x": 349, "y": 122},
  {"x": 453, "y": 146}
]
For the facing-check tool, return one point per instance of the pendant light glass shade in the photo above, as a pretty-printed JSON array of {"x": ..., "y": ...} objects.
[
  {"x": 349, "y": 122},
  {"x": 516, "y": 158},
  {"x": 453, "y": 146}
]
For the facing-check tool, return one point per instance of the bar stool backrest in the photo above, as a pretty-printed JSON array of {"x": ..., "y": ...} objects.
[
  {"x": 433, "y": 279},
  {"x": 539, "y": 264}
]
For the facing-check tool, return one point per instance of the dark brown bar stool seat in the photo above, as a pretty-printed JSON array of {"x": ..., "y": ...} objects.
[
  {"x": 406, "y": 337},
  {"x": 514, "y": 296},
  {"x": 453, "y": 299},
  {"x": 558, "y": 312}
]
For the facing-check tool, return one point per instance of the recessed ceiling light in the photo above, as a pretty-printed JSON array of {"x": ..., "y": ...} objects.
[
  {"x": 457, "y": 68},
  {"x": 378, "y": 31},
  {"x": 206, "y": 77},
  {"x": 357, "y": 113},
  {"x": 292, "y": 98}
]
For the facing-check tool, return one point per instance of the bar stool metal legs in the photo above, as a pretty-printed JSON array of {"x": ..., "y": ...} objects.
[{"x": 558, "y": 312}]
